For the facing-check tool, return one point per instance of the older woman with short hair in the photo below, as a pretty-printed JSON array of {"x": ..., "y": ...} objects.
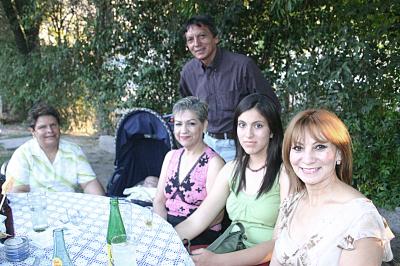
[
  {"x": 47, "y": 162},
  {"x": 188, "y": 173}
]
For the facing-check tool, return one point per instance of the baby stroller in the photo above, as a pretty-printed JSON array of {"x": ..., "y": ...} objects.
[{"x": 141, "y": 142}]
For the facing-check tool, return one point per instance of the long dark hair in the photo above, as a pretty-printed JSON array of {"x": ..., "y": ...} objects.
[{"x": 266, "y": 107}]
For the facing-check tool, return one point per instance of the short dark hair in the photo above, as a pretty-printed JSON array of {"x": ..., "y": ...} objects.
[
  {"x": 266, "y": 107},
  {"x": 201, "y": 20},
  {"x": 41, "y": 109}
]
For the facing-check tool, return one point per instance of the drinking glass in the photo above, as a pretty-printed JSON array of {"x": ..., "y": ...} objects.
[
  {"x": 125, "y": 208},
  {"x": 149, "y": 216},
  {"x": 74, "y": 216},
  {"x": 16, "y": 248},
  {"x": 123, "y": 251},
  {"x": 38, "y": 207}
]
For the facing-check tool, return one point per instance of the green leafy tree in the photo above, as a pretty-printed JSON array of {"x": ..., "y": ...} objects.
[
  {"x": 26, "y": 32},
  {"x": 105, "y": 55}
]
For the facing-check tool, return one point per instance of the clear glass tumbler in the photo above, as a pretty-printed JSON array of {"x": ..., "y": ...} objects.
[
  {"x": 125, "y": 208},
  {"x": 123, "y": 251},
  {"x": 16, "y": 248},
  {"x": 38, "y": 206}
]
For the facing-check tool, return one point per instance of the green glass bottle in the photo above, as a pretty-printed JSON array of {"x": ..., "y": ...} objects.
[
  {"x": 60, "y": 254},
  {"x": 115, "y": 226}
]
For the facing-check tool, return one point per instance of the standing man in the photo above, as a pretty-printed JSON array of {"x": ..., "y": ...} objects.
[{"x": 221, "y": 79}]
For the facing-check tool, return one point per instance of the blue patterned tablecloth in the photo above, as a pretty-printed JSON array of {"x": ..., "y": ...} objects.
[{"x": 156, "y": 245}]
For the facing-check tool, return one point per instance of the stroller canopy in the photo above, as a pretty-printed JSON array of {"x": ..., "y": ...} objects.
[{"x": 141, "y": 142}]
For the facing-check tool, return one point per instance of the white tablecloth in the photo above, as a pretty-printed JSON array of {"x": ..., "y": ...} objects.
[{"x": 157, "y": 245}]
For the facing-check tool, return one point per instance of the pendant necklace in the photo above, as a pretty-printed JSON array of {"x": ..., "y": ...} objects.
[{"x": 256, "y": 170}]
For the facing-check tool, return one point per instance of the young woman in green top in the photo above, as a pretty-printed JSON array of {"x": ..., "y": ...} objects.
[{"x": 249, "y": 186}]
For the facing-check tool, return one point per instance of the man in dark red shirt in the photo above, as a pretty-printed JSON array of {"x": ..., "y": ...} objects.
[{"x": 221, "y": 79}]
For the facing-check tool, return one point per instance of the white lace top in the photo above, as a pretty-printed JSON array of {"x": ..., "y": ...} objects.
[{"x": 352, "y": 221}]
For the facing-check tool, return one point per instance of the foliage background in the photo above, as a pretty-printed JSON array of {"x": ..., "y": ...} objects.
[{"x": 90, "y": 58}]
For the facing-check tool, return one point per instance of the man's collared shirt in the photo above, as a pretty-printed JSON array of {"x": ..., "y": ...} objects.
[{"x": 222, "y": 85}]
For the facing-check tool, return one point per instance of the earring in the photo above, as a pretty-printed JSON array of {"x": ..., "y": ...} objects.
[
  {"x": 271, "y": 136},
  {"x": 338, "y": 162}
]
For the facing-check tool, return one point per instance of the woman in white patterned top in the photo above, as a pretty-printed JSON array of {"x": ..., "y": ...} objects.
[
  {"x": 325, "y": 221},
  {"x": 47, "y": 163}
]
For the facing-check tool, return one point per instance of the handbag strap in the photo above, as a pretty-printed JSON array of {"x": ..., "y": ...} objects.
[
  {"x": 186, "y": 243},
  {"x": 241, "y": 226}
]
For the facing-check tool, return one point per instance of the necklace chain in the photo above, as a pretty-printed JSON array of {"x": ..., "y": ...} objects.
[{"x": 256, "y": 170}]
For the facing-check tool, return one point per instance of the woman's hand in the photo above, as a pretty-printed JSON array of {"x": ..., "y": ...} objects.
[{"x": 203, "y": 257}]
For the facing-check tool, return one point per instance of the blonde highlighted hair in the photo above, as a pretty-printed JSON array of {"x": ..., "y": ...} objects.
[{"x": 323, "y": 126}]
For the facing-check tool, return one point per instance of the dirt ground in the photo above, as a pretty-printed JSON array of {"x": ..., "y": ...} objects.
[{"x": 102, "y": 157}]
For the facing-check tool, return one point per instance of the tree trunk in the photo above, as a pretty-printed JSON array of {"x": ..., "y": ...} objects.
[
  {"x": 26, "y": 39},
  {"x": 15, "y": 26}
]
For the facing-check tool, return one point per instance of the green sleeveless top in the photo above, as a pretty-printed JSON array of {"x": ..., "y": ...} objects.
[{"x": 258, "y": 216}]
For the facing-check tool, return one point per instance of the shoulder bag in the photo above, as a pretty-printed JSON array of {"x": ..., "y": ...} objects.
[{"x": 231, "y": 240}]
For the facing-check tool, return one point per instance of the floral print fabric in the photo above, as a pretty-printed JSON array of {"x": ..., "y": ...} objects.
[
  {"x": 183, "y": 198},
  {"x": 350, "y": 222}
]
